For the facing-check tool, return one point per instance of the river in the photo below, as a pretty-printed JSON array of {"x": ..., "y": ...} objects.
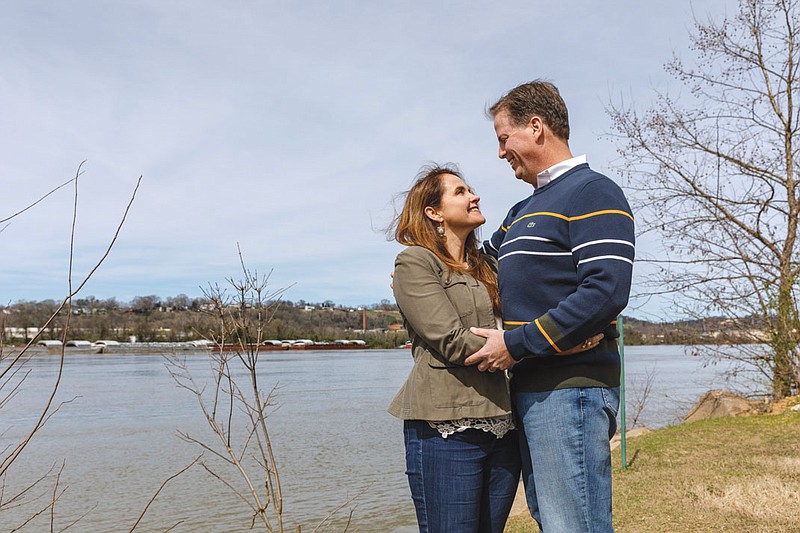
[{"x": 118, "y": 437}]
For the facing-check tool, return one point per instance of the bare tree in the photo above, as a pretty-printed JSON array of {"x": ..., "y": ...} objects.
[
  {"x": 13, "y": 373},
  {"x": 235, "y": 406},
  {"x": 714, "y": 174},
  {"x": 641, "y": 394},
  {"x": 242, "y": 446}
]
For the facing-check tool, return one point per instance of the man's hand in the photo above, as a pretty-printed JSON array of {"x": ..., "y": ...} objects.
[
  {"x": 589, "y": 344},
  {"x": 494, "y": 354}
]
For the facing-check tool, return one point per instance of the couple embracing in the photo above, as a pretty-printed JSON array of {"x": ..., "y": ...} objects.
[{"x": 541, "y": 394}]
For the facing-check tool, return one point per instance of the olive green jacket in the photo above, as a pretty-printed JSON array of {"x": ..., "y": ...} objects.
[{"x": 439, "y": 307}]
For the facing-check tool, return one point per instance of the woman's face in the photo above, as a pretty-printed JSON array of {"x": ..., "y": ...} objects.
[{"x": 459, "y": 205}]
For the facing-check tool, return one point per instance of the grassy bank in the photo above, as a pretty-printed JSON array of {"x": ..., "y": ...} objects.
[{"x": 728, "y": 474}]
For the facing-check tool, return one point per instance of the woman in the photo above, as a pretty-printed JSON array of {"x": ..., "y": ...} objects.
[{"x": 462, "y": 454}]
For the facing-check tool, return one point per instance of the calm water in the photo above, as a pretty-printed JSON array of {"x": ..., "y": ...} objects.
[{"x": 332, "y": 436}]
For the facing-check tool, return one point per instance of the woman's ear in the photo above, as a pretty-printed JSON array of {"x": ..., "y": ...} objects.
[{"x": 432, "y": 214}]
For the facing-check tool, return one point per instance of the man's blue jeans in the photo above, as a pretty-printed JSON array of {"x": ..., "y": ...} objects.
[
  {"x": 462, "y": 484},
  {"x": 566, "y": 460}
]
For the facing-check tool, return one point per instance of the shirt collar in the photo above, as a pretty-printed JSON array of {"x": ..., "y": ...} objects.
[{"x": 546, "y": 176}]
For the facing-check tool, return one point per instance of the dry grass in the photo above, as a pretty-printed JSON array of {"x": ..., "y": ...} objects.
[{"x": 723, "y": 475}]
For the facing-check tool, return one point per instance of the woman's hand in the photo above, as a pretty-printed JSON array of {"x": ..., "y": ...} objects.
[{"x": 588, "y": 344}]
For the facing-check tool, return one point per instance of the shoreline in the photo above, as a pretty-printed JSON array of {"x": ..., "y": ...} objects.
[{"x": 157, "y": 347}]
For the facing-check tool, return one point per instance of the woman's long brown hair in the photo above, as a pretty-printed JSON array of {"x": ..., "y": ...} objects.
[{"x": 413, "y": 228}]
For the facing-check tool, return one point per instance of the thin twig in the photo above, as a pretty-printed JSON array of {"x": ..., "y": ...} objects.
[
  {"x": 3, "y": 220},
  {"x": 164, "y": 484}
]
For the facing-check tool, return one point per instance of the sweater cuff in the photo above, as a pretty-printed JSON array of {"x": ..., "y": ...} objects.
[{"x": 515, "y": 343}]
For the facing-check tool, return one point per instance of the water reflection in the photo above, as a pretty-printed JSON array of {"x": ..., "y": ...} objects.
[{"x": 332, "y": 436}]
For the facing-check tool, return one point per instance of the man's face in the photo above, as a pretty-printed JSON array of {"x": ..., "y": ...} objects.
[{"x": 517, "y": 145}]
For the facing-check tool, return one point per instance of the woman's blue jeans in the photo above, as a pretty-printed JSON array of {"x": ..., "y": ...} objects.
[{"x": 462, "y": 484}]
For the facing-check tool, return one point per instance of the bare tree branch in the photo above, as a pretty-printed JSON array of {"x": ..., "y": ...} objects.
[
  {"x": 155, "y": 495},
  {"x": 13, "y": 376},
  {"x": 714, "y": 175},
  {"x": 236, "y": 411},
  {"x": 4, "y": 220}
]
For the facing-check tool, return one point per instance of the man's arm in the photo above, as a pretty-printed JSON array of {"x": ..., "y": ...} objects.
[
  {"x": 492, "y": 246},
  {"x": 495, "y": 355}
]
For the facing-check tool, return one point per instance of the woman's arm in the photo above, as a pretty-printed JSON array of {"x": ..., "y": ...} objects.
[{"x": 427, "y": 309}]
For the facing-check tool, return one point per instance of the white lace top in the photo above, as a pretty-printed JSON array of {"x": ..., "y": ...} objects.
[{"x": 499, "y": 425}]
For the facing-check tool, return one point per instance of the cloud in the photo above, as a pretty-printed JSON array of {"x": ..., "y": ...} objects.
[{"x": 286, "y": 128}]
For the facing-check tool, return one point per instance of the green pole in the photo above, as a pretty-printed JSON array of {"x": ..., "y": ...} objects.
[{"x": 623, "y": 441}]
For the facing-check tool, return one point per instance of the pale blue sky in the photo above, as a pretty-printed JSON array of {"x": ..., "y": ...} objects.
[{"x": 286, "y": 127}]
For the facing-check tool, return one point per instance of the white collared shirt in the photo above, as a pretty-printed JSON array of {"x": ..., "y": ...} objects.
[{"x": 546, "y": 176}]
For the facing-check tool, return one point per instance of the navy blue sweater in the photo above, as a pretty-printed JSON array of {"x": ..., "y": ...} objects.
[{"x": 565, "y": 264}]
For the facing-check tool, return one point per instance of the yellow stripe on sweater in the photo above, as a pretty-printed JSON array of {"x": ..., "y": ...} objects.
[
  {"x": 606, "y": 212},
  {"x": 512, "y": 323},
  {"x": 541, "y": 213},
  {"x": 546, "y": 336},
  {"x": 570, "y": 219}
]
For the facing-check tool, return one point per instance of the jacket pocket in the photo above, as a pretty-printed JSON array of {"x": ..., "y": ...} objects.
[
  {"x": 450, "y": 386},
  {"x": 460, "y": 295}
]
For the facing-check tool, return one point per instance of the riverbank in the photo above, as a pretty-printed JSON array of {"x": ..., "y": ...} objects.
[
  {"x": 172, "y": 347},
  {"x": 724, "y": 474}
]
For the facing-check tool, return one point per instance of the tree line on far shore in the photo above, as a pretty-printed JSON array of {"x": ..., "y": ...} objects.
[{"x": 181, "y": 318}]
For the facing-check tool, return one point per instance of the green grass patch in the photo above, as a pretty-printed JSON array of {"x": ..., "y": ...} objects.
[{"x": 727, "y": 474}]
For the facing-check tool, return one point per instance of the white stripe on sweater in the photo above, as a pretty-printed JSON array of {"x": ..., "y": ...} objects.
[
  {"x": 603, "y": 241},
  {"x": 599, "y": 257},
  {"x": 568, "y": 254},
  {"x": 526, "y": 237}
]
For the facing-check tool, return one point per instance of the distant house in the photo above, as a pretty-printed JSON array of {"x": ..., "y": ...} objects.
[{"x": 16, "y": 332}]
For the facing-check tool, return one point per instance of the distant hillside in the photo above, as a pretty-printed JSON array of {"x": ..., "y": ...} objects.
[
  {"x": 714, "y": 330},
  {"x": 151, "y": 319},
  {"x": 180, "y": 318}
]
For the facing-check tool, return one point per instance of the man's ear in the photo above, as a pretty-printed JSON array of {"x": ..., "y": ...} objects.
[
  {"x": 536, "y": 124},
  {"x": 433, "y": 214},
  {"x": 538, "y": 128}
]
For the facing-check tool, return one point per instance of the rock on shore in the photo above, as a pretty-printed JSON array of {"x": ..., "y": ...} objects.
[{"x": 719, "y": 403}]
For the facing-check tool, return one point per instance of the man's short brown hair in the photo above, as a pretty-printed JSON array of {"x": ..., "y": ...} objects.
[{"x": 537, "y": 97}]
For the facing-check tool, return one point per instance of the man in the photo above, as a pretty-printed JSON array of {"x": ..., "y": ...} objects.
[{"x": 566, "y": 259}]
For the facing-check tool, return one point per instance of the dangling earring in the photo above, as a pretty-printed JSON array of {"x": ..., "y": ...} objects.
[{"x": 440, "y": 229}]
